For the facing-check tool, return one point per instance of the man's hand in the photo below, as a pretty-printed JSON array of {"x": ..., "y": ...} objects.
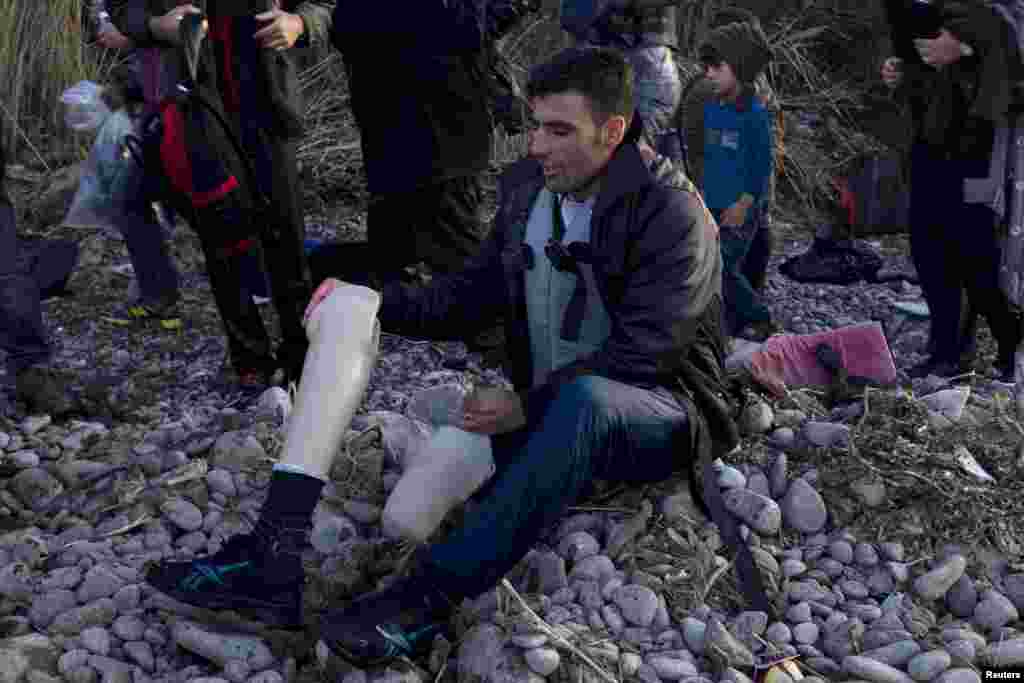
[
  {"x": 321, "y": 293},
  {"x": 492, "y": 410},
  {"x": 165, "y": 27},
  {"x": 939, "y": 52},
  {"x": 112, "y": 39},
  {"x": 892, "y": 72},
  {"x": 736, "y": 215},
  {"x": 282, "y": 31}
]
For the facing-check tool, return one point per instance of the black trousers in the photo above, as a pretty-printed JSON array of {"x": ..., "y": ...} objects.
[{"x": 955, "y": 247}]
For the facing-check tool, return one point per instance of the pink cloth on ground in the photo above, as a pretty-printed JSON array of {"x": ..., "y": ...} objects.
[{"x": 789, "y": 360}]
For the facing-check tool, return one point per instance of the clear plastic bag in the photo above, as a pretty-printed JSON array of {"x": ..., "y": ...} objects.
[
  {"x": 110, "y": 178},
  {"x": 84, "y": 108}
]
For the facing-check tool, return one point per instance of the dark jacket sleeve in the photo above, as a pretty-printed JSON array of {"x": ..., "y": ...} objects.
[
  {"x": 132, "y": 19},
  {"x": 317, "y": 15},
  {"x": 503, "y": 15},
  {"x": 453, "y": 306},
  {"x": 673, "y": 271}
]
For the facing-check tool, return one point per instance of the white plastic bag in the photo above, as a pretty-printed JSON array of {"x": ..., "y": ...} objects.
[
  {"x": 453, "y": 465},
  {"x": 84, "y": 108},
  {"x": 110, "y": 178}
]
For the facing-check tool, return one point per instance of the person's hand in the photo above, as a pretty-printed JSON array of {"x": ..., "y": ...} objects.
[
  {"x": 165, "y": 27},
  {"x": 735, "y": 216},
  {"x": 492, "y": 410},
  {"x": 321, "y": 293},
  {"x": 282, "y": 31},
  {"x": 112, "y": 39},
  {"x": 939, "y": 52},
  {"x": 647, "y": 152},
  {"x": 892, "y": 72}
]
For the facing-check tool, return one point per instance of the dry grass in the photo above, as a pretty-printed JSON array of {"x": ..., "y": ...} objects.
[{"x": 43, "y": 53}]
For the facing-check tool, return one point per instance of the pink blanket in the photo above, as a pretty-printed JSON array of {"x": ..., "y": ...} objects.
[{"x": 789, "y": 360}]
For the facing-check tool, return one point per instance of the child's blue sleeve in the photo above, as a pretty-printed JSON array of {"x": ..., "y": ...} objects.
[{"x": 760, "y": 162}]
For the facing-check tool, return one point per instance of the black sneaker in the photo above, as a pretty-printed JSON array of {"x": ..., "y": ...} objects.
[
  {"x": 253, "y": 575},
  {"x": 398, "y": 621},
  {"x": 167, "y": 316}
]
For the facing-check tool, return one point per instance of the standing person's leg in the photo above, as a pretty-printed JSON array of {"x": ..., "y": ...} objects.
[
  {"x": 260, "y": 573},
  {"x": 593, "y": 428},
  {"x": 450, "y": 226},
  {"x": 284, "y": 253},
  {"x": 743, "y": 306},
  {"x": 154, "y": 269},
  {"x": 978, "y": 249},
  {"x": 22, "y": 334},
  {"x": 390, "y": 220},
  {"x": 755, "y": 265},
  {"x": 935, "y": 192}
]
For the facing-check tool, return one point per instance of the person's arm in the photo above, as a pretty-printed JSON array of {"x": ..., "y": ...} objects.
[
  {"x": 760, "y": 159},
  {"x": 317, "y": 19},
  {"x": 502, "y": 15},
  {"x": 672, "y": 273}
]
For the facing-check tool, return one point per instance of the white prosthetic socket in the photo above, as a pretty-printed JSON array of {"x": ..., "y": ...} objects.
[{"x": 344, "y": 337}]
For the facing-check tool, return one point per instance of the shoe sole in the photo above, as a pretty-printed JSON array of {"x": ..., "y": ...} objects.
[
  {"x": 169, "y": 324},
  {"x": 267, "y": 613},
  {"x": 363, "y": 662}
]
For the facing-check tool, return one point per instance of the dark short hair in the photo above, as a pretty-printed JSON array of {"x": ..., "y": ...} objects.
[{"x": 602, "y": 75}]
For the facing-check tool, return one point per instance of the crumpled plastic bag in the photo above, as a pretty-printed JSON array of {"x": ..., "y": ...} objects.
[
  {"x": 84, "y": 108},
  {"x": 789, "y": 360},
  {"x": 110, "y": 178}
]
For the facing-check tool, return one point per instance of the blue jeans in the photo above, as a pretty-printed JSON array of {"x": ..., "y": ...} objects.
[
  {"x": 22, "y": 334},
  {"x": 593, "y": 428},
  {"x": 743, "y": 305}
]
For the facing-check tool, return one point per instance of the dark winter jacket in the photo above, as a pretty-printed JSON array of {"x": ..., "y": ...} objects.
[
  {"x": 417, "y": 90},
  {"x": 280, "y": 78},
  {"x": 657, "y": 263},
  {"x": 955, "y": 108}
]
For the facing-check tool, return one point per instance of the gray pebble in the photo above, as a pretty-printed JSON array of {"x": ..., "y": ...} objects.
[
  {"x": 806, "y": 633},
  {"x": 693, "y": 634},
  {"x": 841, "y": 551},
  {"x": 959, "y": 675},
  {"x": 578, "y": 545},
  {"x": 141, "y": 653},
  {"x": 778, "y": 475},
  {"x": 962, "y": 652},
  {"x": 731, "y": 478},
  {"x": 97, "y": 640},
  {"x": 670, "y": 668},
  {"x": 779, "y": 634},
  {"x": 994, "y": 611},
  {"x": 638, "y": 604},
  {"x": 865, "y": 555},
  {"x": 868, "y": 669},
  {"x": 551, "y": 575},
  {"x": 803, "y": 508},
  {"x": 760, "y": 512},
  {"x": 791, "y": 568},
  {"x": 928, "y": 665},
  {"x": 128, "y": 628},
  {"x": 935, "y": 583}
]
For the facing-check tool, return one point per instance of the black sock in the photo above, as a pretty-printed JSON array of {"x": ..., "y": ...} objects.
[{"x": 292, "y": 497}]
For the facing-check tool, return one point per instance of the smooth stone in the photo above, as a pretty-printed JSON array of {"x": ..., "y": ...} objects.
[
  {"x": 638, "y": 604},
  {"x": 759, "y": 512},
  {"x": 799, "y": 613},
  {"x": 720, "y": 644},
  {"x": 841, "y": 551},
  {"x": 578, "y": 545},
  {"x": 758, "y": 483},
  {"x": 928, "y": 665},
  {"x": 962, "y": 651},
  {"x": 896, "y": 654},
  {"x": 994, "y": 611},
  {"x": 671, "y": 668},
  {"x": 826, "y": 434},
  {"x": 1004, "y": 654},
  {"x": 731, "y": 478},
  {"x": 806, "y": 633},
  {"x": 551, "y": 574},
  {"x": 694, "y": 632},
  {"x": 778, "y": 475},
  {"x": 1013, "y": 588},
  {"x": 779, "y": 634},
  {"x": 892, "y": 551},
  {"x": 949, "y": 403},
  {"x": 593, "y": 568},
  {"x": 791, "y": 568},
  {"x": 958, "y": 675},
  {"x": 865, "y": 555},
  {"x": 803, "y": 508},
  {"x": 96, "y": 639},
  {"x": 183, "y": 514},
  {"x": 757, "y": 418},
  {"x": 870, "y": 491},
  {"x": 935, "y": 583},
  {"x": 783, "y": 437},
  {"x": 868, "y": 669},
  {"x": 543, "y": 661}
]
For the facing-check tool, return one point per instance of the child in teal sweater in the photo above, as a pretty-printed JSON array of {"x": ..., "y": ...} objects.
[{"x": 738, "y": 164}]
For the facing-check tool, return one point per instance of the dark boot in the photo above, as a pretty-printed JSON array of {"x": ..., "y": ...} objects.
[
  {"x": 400, "y": 620},
  {"x": 258, "y": 575},
  {"x": 44, "y": 390}
]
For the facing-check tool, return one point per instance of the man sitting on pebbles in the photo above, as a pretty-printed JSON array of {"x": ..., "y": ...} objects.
[{"x": 607, "y": 270}]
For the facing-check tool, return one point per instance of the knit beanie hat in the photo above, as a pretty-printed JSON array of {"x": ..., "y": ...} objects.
[{"x": 743, "y": 46}]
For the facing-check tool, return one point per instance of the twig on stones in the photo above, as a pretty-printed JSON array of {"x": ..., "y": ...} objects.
[
  {"x": 555, "y": 635},
  {"x": 440, "y": 672},
  {"x": 142, "y": 519},
  {"x": 715, "y": 575}
]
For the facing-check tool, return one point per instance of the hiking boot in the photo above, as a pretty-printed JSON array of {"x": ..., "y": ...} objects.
[
  {"x": 400, "y": 620},
  {"x": 258, "y": 575},
  {"x": 43, "y": 390},
  {"x": 167, "y": 315}
]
